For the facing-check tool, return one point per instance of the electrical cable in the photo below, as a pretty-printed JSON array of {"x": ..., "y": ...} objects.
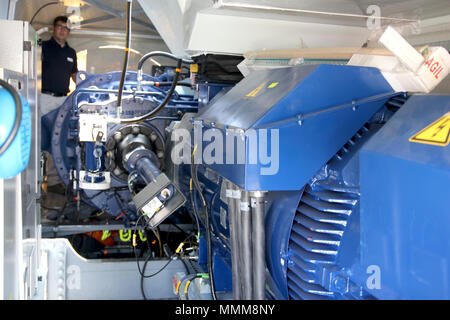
[
  {"x": 142, "y": 272},
  {"x": 42, "y": 7},
  {"x": 148, "y": 257},
  {"x": 186, "y": 287},
  {"x": 162, "y": 105},
  {"x": 127, "y": 53},
  {"x": 143, "y": 276},
  {"x": 18, "y": 118},
  {"x": 159, "y": 241},
  {"x": 194, "y": 207},
  {"x": 207, "y": 223}
]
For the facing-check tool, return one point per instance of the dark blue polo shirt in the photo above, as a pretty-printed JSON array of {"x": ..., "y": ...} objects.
[{"x": 57, "y": 66}]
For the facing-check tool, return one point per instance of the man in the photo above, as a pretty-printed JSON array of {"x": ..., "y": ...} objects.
[{"x": 59, "y": 64}]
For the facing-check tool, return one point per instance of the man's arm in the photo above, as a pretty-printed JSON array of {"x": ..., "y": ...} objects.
[{"x": 74, "y": 68}]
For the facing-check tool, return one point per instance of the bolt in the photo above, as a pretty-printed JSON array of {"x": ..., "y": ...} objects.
[
  {"x": 135, "y": 130},
  {"x": 165, "y": 193},
  {"x": 340, "y": 284},
  {"x": 118, "y": 136}
]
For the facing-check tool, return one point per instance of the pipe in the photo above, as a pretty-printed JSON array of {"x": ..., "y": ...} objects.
[
  {"x": 246, "y": 257},
  {"x": 126, "y": 57},
  {"x": 258, "y": 242},
  {"x": 220, "y": 4},
  {"x": 234, "y": 240},
  {"x": 89, "y": 32}
]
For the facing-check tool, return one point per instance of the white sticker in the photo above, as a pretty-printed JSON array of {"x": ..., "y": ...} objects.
[
  {"x": 70, "y": 59},
  {"x": 152, "y": 206}
]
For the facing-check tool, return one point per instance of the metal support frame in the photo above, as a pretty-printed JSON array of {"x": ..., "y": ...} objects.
[
  {"x": 108, "y": 17},
  {"x": 117, "y": 13},
  {"x": 98, "y": 19},
  {"x": 49, "y": 231},
  {"x": 65, "y": 275}
]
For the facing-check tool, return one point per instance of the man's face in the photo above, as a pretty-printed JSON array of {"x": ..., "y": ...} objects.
[{"x": 61, "y": 31}]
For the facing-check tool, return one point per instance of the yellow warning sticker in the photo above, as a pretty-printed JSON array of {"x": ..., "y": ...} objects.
[
  {"x": 272, "y": 85},
  {"x": 437, "y": 133},
  {"x": 254, "y": 92}
]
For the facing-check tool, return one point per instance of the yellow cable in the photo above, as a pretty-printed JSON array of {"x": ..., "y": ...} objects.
[
  {"x": 179, "y": 247},
  {"x": 134, "y": 240},
  {"x": 159, "y": 240},
  {"x": 186, "y": 287},
  {"x": 106, "y": 234},
  {"x": 178, "y": 286},
  {"x": 141, "y": 236},
  {"x": 125, "y": 237}
]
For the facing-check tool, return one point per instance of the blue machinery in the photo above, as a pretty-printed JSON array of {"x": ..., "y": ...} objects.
[
  {"x": 15, "y": 128},
  {"x": 327, "y": 195}
]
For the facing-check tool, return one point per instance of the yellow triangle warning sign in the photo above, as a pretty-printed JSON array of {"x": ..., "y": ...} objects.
[{"x": 437, "y": 133}]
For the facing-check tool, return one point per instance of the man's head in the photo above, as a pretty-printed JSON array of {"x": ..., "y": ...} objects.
[{"x": 60, "y": 29}]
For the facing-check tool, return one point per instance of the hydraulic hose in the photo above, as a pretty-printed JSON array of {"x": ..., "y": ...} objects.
[
  {"x": 161, "y": 54},
  {"x": 163, "y": 104},
  {"x": 42, "y": 7},
  {"x": 127, "y": 54},
  {"x": 157, "y": 54},
  {"x": 16, "y": 126}
]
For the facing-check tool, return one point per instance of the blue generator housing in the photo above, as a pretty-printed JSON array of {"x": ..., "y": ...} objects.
[
  {"x": 354, "y": 209},
  {"x": 405, "y": 190}
]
